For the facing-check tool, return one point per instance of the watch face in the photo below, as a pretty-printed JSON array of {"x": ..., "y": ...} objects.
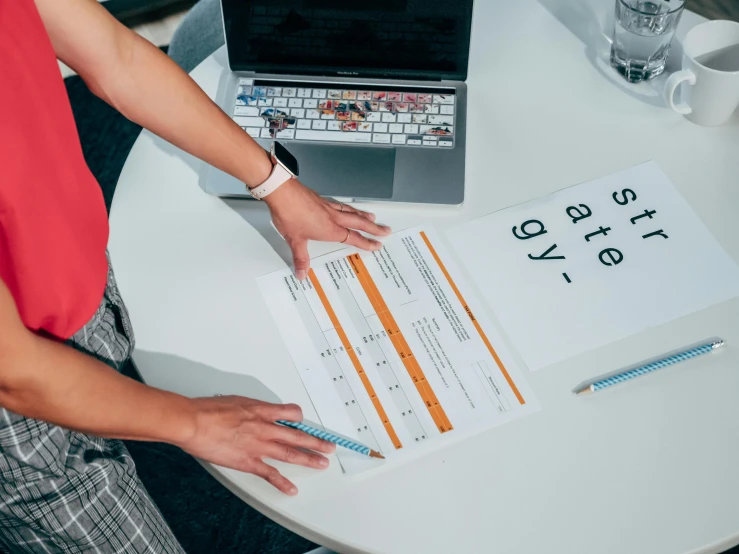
[{"x": 285, "y": 158}]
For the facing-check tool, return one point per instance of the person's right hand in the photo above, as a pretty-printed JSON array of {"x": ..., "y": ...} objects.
[{"x": 239, "y": 432}]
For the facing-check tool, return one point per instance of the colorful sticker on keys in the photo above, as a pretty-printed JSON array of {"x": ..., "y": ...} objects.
[
  {"x": 358, "y": 116},
  {"x": 364, "y": 95},
  {"x": 364, "y": 127},
  {"x": 335, "y": 94},
  {"x": 436, "y": 130},
  {"x": 401, "y": 107},
  {"x": 245, "y": 100},
  {"x": 349, "y": 95},
  {"x": 379, "y": 95},
  {"x": 259, "y": 91},
  {"x": 279, "y": 124},
  {"x": 415, "y": 108},
  {"x": 418, "y": 118},
  {"x": 343, "y": 116},
  {"x": 394, "y": 96},
  {"x": 327, "y": 104},
  {"x": 327, "y": 114},
  {"x": 272, "y": 91},
  {"x": 342, "y": 106},
  {"x": 273, "y": 112},
  {"x": 441, "y": 120},
  {"x": 424, "y": 99},
  {"x": 350, "y": 126}
]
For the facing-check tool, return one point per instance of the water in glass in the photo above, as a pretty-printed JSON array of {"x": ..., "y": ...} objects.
[{"x": 642, "y": 36}]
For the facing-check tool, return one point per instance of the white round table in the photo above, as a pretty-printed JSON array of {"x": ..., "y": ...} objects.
[{"x": 651, "y": 469}]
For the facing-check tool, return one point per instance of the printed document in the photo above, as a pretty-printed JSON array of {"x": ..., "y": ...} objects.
[
  {"x": 393, "y": 349},
  {"x": 594, "y": 263}
]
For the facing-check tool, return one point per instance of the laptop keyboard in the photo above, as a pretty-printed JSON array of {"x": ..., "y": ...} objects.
[{"x": 310, "y": 112}]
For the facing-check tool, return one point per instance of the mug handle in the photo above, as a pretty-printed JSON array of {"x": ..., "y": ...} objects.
[{"x": 675, "y": 80}]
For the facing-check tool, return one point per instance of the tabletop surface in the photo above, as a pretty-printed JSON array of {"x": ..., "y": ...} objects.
[{"x": 650, "y": 469}]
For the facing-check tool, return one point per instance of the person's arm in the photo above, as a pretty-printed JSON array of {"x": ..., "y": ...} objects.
[
  {"x": 150, "y": 89},
  {"x": 48, "y": 380}
]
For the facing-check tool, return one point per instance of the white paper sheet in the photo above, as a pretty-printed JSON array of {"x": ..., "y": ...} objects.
[
  {"x": 641, "y": 258},
  {"x": 389, "y": 350}
]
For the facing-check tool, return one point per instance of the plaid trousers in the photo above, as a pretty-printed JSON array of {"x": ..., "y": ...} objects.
[{"x": 66, "y": 492}]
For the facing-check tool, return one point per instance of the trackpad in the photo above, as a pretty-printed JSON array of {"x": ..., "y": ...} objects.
[{"x": 346, "y": 171}]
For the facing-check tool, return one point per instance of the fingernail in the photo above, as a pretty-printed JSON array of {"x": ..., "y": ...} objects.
[
  {"x": 323, "y": 462},
  {"x": 301, "y": 274},
  {"x": 372, "y": 217},
  {"x": 293, "y": 491},
  {"x": 388, "y": 229}
]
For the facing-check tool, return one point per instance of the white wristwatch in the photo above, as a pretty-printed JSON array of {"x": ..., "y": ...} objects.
[{"x": 285, "y": 168}]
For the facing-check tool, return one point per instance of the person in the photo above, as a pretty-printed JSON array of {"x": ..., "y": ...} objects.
[{"x": 67, "y": 483}]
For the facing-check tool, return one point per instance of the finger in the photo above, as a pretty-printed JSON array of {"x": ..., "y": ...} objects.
[
  {"x": 355, "y": 239},
  {"x": 290, "y": 455},
  {"x": 272, "y": 412},
  {"x": 340, "y": 206},
  {"x": 275, "y": 478},
  {"x": 301, "y": 258},
  {"x": 298, "y": 439},
  {"x": 356, "y": 221}
]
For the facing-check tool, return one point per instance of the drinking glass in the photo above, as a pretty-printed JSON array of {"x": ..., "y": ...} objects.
[{"x": 642, "y": 36}]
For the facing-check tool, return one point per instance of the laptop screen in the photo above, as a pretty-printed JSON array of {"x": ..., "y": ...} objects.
[{"x": 413, "y": 39}]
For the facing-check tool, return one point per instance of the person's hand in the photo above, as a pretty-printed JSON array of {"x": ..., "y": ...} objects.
[
  {"x": 301, "y": 215},
  {"x": 239, "y": 432}
]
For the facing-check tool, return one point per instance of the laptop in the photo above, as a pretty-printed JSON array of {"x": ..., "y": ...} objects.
[{"x": 368, "y": 96}]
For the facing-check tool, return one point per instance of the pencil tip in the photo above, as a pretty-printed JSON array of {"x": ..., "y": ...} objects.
[
  {"x": 584, "y": 391},
  {"x": 374, "y": 454}
]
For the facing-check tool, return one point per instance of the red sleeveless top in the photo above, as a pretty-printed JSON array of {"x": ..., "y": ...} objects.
[{"x": 53, "y": 224}]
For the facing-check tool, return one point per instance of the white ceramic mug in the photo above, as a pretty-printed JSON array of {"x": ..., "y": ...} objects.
[{"x": 711, "y": 67}]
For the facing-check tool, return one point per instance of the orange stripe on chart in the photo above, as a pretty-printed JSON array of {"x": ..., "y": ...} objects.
[
  {"x": 401, "y": 346},
  {"x": 355, "y": 361},
  {"x": 474, "y": 320}
]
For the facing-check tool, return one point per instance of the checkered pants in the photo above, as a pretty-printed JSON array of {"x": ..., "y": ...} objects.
[{"x": 66, "y": 492}]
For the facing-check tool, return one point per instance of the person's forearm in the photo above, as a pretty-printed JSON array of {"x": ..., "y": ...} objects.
[
  {"x": 50, "y": 381},
  {"x": 151, "y": 90}
]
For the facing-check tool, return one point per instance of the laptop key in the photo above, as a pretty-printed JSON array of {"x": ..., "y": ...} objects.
[
  {"x": 404, "y": 118},
  {"x": 312, "y": 114},
  {"x": 396, "y": 128},
  {"x": 289, "y": 92},
  {"x": 246, "y": 110},
  {"x": 388, "y": 118},
  {"x": 411, "y": 129},
  {"x": 249, "y": 121},
  {"x": 319, "y": 93},
  {"x": 304, "y": 124},
  {"x": 334, "y": 94},
  {"x": 333, "y": 136},
  {"x": 431, "y": 108},
  {"x": 373, "y": 117},
  {"x": 285, "y": 134},
  {"x": 380, "y": 127},
  {"x": 380, "y": 138},
  {"x": 297, "y": 112},
  {"x": 440, "y": 120},
  {"x": 443, "y": 99},
  {"x": 398, "y": 139},
  {"x": 295, "y": 103},
  {"x": 319, "y": 125},
  {"x": 279, "y": 102},
  {"x": 303, "y": 93},
  {"x": 253, "y": 131},
  {"x": 334, "y": 125},
  {"x": 446, "y": 109},
  {"x": 415, "y": 141},
  {"x": 445, "y": 142},
  {"x": 310, "y": 103}
]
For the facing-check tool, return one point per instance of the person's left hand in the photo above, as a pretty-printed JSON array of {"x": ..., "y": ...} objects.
[{"x": 300, "y": 215}]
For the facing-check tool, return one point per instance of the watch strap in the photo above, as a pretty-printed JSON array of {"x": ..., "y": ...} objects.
[{"x": 279, "y": 176}]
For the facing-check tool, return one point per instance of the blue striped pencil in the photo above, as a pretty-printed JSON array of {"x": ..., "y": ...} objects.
[
  {"x": 659, "y": 364},
  {"x": 330, "y": 437}
]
